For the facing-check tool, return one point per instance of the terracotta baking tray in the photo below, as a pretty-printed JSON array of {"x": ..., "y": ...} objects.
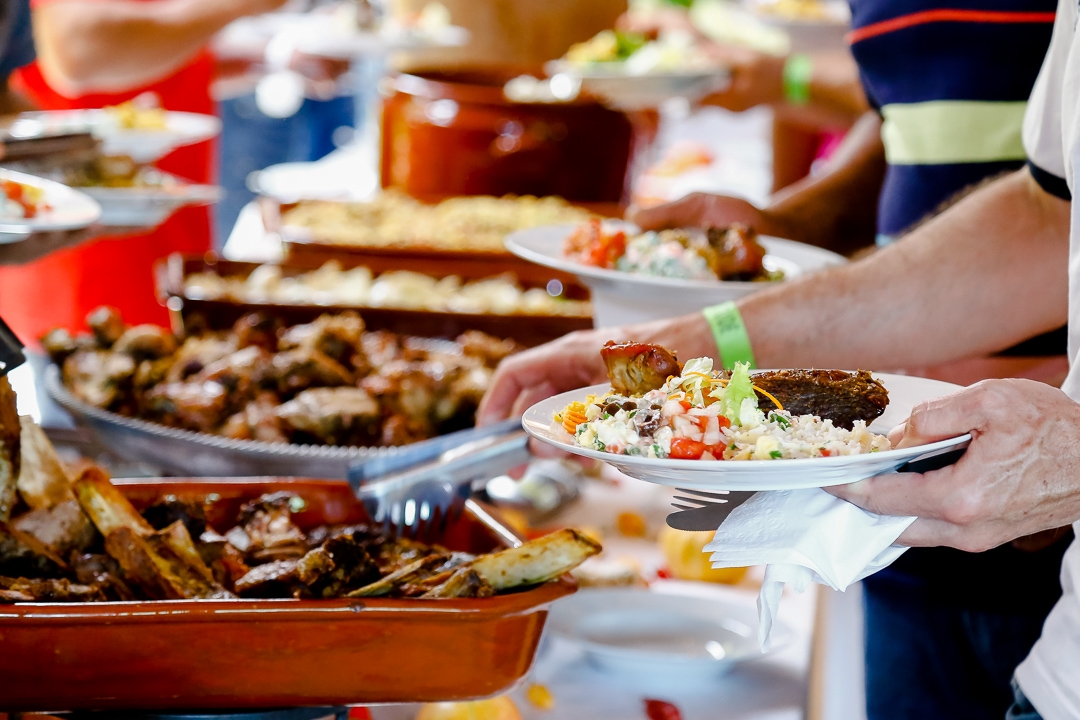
[
  {"x": 220, "y": 314},
  {"x": 193, "y": 654},
  {"x": 301, "y": 248}
]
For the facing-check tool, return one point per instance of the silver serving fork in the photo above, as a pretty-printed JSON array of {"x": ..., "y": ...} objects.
[{"x": 416, "y": 495}]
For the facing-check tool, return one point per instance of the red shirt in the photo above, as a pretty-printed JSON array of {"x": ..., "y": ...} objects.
[{"x": 60, "y": 289}]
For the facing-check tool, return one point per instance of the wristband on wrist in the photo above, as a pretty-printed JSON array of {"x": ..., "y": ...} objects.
[
  {"x": 798, "y": 71},
  {"x": 729, "y": 332}
]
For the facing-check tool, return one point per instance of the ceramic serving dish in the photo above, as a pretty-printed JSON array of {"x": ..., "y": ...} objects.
[{"x": 223, "y": 654}]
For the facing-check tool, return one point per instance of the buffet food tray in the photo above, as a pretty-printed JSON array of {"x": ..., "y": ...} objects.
[
  {"x": 193, "y": 654},
  {"x": 302, "y": 248},
  {"x": 177, "y": 452},
  {"x": 222, "y": 313}
]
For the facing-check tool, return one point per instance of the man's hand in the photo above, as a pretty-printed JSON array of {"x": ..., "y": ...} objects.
[
  {"x": 570, "y": 362},
  {"x": 1021, "y": 474},
  {"x": 757, "y": 78},
  {"x": 705, "y": 210}
]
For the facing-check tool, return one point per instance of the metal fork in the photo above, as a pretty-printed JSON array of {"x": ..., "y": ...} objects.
[
  {"x": 707, "y": 510},
  {"x": 417, "y": 500}
]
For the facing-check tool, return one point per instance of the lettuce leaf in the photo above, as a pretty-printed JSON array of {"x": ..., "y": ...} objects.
[{"x": 739, "y": 389}]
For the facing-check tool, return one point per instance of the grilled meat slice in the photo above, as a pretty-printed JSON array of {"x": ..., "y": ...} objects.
[
  {"x": 100, "y": 378},
  {"x": 165, "y": 564},
  {"x": 339, "y": 565},
  {"x": 412, "y": 573},
  {"x": 103, "y": 571},
  {"x": 274, "y": 579},
  {"x": 636, "y": 368},
  {"x": 335, "y": 336},
  {"x": 258, "y": 420},
  {"x": 47, "y": 590},
  {"x": 200, "y": 406},
  {"x": 835, "y": 395}
]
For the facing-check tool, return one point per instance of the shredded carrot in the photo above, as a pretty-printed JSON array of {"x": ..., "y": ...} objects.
[
  {"x": 775, "y": 401},
  {"x": 572, "y": 416}
]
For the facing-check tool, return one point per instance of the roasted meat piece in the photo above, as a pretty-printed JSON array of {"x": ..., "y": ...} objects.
[
  {"x": 332, "y": 416},
  {"x": 106, "y": 324},
  {"x": 268, "y": 529},
  {"x": 104, "y": 572},
  {"x": 303, "y": 368},
  {"x": 336, "y": 336},
  {"x": 99, "y": 377},
  {"x": 339, "y": 565},
  {"x": 835, "y": 395},
  {"x": 146, "y": 342},
  {"x": 62, "y": 528},
  {"x": 636, "y": 368},
  {"x": 737, "y": 253},
  {"x": 198, "y": 352},
  {"x": 489, "y": 349},
  {"x": 257, "y": 421},
  {"x": 47, "y": 590},
  {"x": 241, "y": 372},
  {"x": 59, "y": 344},
  {"x": 257, "y": 330},
  {"x": 200, "y": 406},
  {"x": 169, "y": 509}
]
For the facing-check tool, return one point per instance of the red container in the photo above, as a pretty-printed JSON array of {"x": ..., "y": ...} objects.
[
  {"x": 456, "y": 133},
  {"x": 193, "y": 654}
]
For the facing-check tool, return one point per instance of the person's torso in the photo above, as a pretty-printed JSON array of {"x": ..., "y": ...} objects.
[{"x": 951, "y": 79}]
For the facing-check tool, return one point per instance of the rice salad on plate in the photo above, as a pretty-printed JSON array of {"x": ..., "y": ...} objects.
[{"x": 706, "y": 415}]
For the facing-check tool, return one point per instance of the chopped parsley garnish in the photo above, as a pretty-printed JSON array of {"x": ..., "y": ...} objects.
[
  {"x": 733, "y": 446},
  {"x": 633, "y": 450},
  {"x": 780, "y": 420},
  {"x": 632, "y": 413},
  {"x": 579, "y": 429},
  {"x": 605, "y": 416},
  {"x": 600, "y": 446},
  {"x": 776, "y": 454}
]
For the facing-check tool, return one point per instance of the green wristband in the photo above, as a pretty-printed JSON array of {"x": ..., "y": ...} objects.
[
  {"x": 729, "y": 332},
  {"x": 798, "y": 71}
]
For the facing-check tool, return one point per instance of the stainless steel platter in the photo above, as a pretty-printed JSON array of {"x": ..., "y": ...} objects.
[{"x": 185, "y": 453}]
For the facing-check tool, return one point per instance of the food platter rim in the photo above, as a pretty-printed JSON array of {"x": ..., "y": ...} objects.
[
  {"x": 15, "y": 227},
  {"x": 553, "y": 67},
  {"x": 56, "y": 389},
  {"x": 542, "y": 433},
  {"x": 512, "y": 243}
]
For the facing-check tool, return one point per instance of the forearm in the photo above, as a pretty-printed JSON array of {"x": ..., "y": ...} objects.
[
  {"x": 838, "y": 208},
  {"x": 11, "y": 102},
  {"x": 989, "y": 272},
  {"x": 112, "y": 45}
]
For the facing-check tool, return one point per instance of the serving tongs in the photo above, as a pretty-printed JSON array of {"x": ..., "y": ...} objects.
[
  {"x": 414, "y": 492},
  {"x": 11, "y": 350}
]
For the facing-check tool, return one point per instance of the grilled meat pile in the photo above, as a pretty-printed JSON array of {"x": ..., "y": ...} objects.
[
  {"x": 82, "y": 540},
  {"x": 328, "y": 382}
]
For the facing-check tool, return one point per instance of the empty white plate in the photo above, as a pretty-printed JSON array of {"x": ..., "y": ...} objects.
[{"x": 664, "y": 632}]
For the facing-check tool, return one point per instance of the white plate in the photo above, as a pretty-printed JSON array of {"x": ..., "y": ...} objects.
[
  {"x": 621, "y": 298},
  {"x": 808, "y": 35},
  {"x": 321, "y": 36},
  {"x": 145, "y": 207},
  {"x": 667, "y": 632},
  {"x": 624, "y": 91},
  {"x": 69, "y": 209},
  {"x": 905, "y": 392},
  {"x": 143, "y": 146}
]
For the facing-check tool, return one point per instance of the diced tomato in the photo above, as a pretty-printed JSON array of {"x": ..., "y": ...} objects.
[
  {"x": 663, "y": 574},
  {"x": 686, "y": 404},
  {"x": 724, "y": 422},
  {"x": 686, "y": 449},
  {"x": 825, "y": 452},
  {"x": 661, "y": 710},
  {"x": 717, "y": 450},
  {"x": 13, "y": 190}
]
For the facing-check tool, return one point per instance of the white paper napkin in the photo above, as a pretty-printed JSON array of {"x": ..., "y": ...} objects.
[{"x": 804, "y": 536}]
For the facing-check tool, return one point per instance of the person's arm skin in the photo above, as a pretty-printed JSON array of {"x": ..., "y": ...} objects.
[
  {"x": 12, "y": 103},
  {"x": 836, "y": 209},
  {"x": 836, "y": 94},
  {"x": 949, "y": 290},
  {"x": 114, "y": 45}
]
